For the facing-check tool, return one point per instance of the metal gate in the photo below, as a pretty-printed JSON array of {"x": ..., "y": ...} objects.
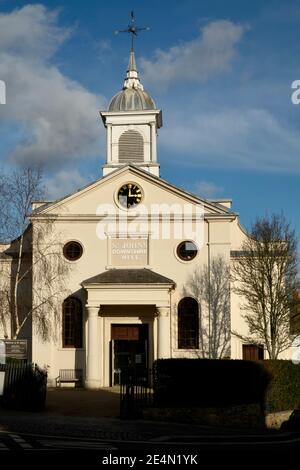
[{"x": 135, "y": 392}]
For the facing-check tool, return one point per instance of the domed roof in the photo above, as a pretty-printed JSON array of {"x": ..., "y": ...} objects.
[{"x": 131, "y": 99}]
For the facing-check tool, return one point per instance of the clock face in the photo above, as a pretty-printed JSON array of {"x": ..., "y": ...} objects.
[{"x": 129, "y": 195}]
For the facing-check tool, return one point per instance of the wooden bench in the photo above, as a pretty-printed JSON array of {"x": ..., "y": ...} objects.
[{"x": 69, "y": 376}]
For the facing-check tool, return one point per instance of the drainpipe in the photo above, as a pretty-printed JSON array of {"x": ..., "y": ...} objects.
[
  {"x": 209, "y": 295},
  {"x": 171, "y": 326}
]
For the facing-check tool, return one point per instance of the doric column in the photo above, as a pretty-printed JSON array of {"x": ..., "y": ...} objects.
[
  {"x": 93, "y": 349},
  {"x": 153, "y": 142},
  {"x": 163, "y": 333}
]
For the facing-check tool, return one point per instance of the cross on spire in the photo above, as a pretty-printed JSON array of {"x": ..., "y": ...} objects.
[{"x": 132, "y": 29}]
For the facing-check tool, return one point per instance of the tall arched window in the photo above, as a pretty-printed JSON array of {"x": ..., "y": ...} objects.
[
  {"x": 188, "y": 324},
  {"x": 131, "y": 147},
  {"x": 72, "y": 323}
]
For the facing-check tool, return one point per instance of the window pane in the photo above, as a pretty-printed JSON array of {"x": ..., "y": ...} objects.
[
  {"x": 72, "y": 251},
  {"x": 187, "y": 250},
  {"x": 72, "y": 323},
  {"x": 188, "y": 324}
]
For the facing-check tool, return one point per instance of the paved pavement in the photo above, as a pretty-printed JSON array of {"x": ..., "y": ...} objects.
[
  {"x": 102, "y": 403},
  {"x": 88, "y": 421},
  {"x": 24, "y": 442},
  {"x": 171, "y": 444},
  {"x": 95, "y": 414}
]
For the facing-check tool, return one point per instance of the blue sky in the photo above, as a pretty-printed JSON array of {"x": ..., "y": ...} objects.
[{"x": 220, "y": 71}]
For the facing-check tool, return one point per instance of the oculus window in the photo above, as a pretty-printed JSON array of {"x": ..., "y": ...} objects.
[
  {"x": 187, "y": 250},
  {"x": 72, "y": 251}
]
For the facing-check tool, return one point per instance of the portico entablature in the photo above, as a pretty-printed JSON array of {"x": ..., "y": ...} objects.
[
  {"x": 128, "y": 295},
  {"x": 128, "y": 287}
]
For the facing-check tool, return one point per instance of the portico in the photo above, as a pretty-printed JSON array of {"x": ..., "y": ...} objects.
[{"x": 128, "y": 297}]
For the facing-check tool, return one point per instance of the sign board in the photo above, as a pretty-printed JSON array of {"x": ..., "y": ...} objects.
[
  {"x": 125, "y": 332},
  {"x": 138, "y": 359},
  {"x": 16, "y": 348},
  {"x": 129, "y": 252}
]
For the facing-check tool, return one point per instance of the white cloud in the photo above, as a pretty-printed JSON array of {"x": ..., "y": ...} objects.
[
  {"x": 64, "y": 182},
  {"x": 57, "y": 117},
  {"x": 205, "y": 189},
  {"x": 235, "y": 138},
  {"x": 104, "y": 45},
  {"x": 31, "y": 32},
  {"x": 198, "y": 60},
  {"x": 103, "y": 50}
]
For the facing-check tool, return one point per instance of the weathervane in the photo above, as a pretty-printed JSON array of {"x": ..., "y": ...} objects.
[{"x": 132, "y": 29}]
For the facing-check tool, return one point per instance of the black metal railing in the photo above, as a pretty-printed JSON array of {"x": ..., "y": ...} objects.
[
  {"x": 25, "y": 386},
  {"x": 135, "y": 392}
]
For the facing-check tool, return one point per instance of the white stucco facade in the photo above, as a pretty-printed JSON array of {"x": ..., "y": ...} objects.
[{"x": 135, "y": 241}]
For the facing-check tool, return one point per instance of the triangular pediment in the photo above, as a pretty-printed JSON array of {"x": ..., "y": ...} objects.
[{"x": 86, "y": 201}]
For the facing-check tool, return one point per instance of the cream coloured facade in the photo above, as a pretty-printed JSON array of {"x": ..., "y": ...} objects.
[{"x": 128, "y": 275}]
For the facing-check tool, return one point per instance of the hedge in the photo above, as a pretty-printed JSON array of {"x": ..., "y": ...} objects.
[
  {"x": 283, "y": 392},
  {"x": 275, "y": 385}
]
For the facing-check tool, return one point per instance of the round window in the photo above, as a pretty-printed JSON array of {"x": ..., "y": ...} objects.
[
  {"x": 73, "y": 251},
  {"x": 187, "y": 251}
]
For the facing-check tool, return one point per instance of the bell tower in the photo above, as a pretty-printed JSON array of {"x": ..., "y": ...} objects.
[{"x": 131, "y": 123}]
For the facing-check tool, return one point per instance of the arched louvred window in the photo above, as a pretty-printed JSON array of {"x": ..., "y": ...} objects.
[
  {"x": 131, "y": 147},
  {"x": 72, "y": 323},
  {"x": 188, "y": 324}
]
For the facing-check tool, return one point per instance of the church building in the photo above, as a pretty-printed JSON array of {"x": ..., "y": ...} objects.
[{"x": 132, "y": 242}]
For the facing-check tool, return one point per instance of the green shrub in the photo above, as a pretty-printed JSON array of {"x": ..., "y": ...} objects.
[{"x": 283, "y": 392}]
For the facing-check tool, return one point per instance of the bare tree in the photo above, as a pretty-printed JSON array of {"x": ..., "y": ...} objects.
[
  {"x": 18, "y": 190},
  {"x": 210, "y": 285},
  {"x": 5, "y": 298},
  {"x": 49, "y": 271},
  {"x": 35, "y": 253},
  {"x": 3, "y": 208},
  {"x": 265, "y": 277}
]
